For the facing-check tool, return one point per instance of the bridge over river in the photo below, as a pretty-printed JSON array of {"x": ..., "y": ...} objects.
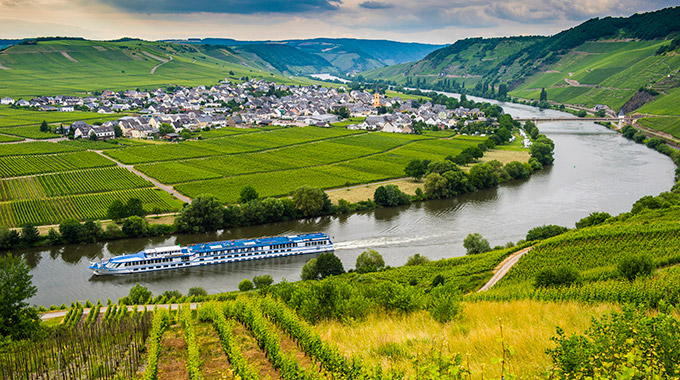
[{"x": 575, "y": 118}]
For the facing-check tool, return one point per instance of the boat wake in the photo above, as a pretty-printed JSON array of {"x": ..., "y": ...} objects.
[{"x": 385, "y": 241}]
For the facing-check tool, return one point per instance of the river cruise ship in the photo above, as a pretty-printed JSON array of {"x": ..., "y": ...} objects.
[{"x": 220, "y": 252}]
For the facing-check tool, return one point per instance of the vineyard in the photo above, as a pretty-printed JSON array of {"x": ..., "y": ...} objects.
[
  {"x": 277, "y": 162},
  {"x": 28, "y": 165},
  {"x": 81, "y": 207}
]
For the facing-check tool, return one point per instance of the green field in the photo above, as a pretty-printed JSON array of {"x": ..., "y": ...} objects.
[
  {"x": 663, "y": 105},
  {"x": 73, "y": 67},
  {"x": 670, "y": 125}
]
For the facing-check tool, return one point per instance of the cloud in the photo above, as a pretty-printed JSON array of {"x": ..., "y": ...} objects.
[
  {"x": 375, "y": 5},
  {"x": 227, "y": 6}
]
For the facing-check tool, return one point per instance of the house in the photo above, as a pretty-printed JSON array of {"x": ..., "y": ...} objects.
[
  {"x": 103, "y": 133},
  {"x": 23, "y": 103},
  {"x": 6, "y": 101},
  {"x": 66, "y": 109}
]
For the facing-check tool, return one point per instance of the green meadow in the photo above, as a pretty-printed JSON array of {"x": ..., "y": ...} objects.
[{"x": 74, "y": 67}]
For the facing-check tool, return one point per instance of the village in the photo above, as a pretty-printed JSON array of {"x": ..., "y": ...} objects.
[{"x": 167, "y": 113}]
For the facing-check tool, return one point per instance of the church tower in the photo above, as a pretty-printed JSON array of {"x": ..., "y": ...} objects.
[{"x": 376, "y": 98}]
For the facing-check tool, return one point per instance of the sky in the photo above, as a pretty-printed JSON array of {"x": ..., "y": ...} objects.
[{"x": 427, "y": 21}]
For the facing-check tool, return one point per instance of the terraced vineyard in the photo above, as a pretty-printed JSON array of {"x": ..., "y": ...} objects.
[{"x": 33, "y": 164}]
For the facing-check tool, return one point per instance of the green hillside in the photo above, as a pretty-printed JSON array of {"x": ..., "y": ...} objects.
[
  {"x": 289, "y": 60},
  {"x": 76, "y": 66},
  {"x": 347, "y": 55},
  {"x": 602, "y": 61}
]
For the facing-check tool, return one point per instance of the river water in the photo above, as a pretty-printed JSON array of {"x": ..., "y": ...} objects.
[{"x": 595, "y": 170}]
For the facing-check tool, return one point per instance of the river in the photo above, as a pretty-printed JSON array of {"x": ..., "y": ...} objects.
[{"x": 595, "y": 170}]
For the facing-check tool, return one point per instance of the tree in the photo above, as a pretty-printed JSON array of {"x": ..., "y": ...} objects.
[
  {"x": 369, "y": 261},
  {"x": 186, "y": 134},
  {"x": 197, "y": 291},
  {"x": 483, "y": 176},
  {"x": 248, "y": 193},
  {"x": 165, "y": 128},
  {"x": 245, "y": 285},
  {"x": 327, "y": 264},
  {"x": 390, "y": 195},
  {"x": 135, "y": 226},
  {"x": 29, "y": 234},
  {"x": 93, "y": 136},
  {"x": 138, "y": 295},
  {"x": 262, "y": 281},
  {"x": 415, "y": 169},
  {"x": 517, "y": 170},
  {"x": 417, "y": 259},
  {"x": 309, "y": 271},
  {"x": 17, "y": 319},
  {"x": 134, "y": 206},
  {"x": 117, "y": 131},
  {"x": 204, "y": 214},
  {"x": 502, "y": 91},
  {"x": 634, "y": 266},
  {"x": 436, "y": 186},
  {"x": 44, "y": 127},
  {"x": 475, "y": 243},
  {"x": 311, "y": 201},
  {"x": 542, "y": 152},
  {"x": 71, "y": 231},
  {"x": 91, "y": 231},
  {"x": 117, "y": 210},
  {"x": 543, "y": 96}
]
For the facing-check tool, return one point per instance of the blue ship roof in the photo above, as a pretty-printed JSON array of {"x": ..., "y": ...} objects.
[
  {"x": 243, "y": 243},
  {"x": 124, "y": 258}
]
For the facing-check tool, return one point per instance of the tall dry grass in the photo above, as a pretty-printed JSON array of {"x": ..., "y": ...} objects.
[{"x": 393, "y": 340}]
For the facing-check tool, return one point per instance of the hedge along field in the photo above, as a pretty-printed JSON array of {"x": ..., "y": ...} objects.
[
  {"x": 81, "y": 207},
  {"x": 290, "y": 157},
  {"x": 27, "y": 165},
  {"x": 37, "y": 147},
  {"x": 365, "y": 169},
  {"x": 70, "y": 183}
]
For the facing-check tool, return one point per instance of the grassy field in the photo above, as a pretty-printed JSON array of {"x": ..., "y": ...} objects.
[
  {"x": 277, "y": 162},
  {"x": 72, "y": 67}
]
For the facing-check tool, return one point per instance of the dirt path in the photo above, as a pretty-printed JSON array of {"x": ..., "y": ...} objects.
[
  {"x": 172, "y": 362},
  {"x": 4, "y": 68},
  {"x": 161, "y": 186},
  {"x": 65, "y": 54},
  {"x": 253, "y": 354},
  {"x": 503, "y": 268},
  {"x": 214, "y": 363},
  {"x": 163, "y": 61}
]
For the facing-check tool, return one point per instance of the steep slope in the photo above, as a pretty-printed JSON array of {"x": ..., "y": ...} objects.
[{"x": 601, "y": 61}]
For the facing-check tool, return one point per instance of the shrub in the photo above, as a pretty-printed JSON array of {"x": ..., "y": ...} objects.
[
  {"x": 369, "y": 261},
  {"x": 561, "y": 276},
  {"x": 138, "y": 295},
  {"x": 327, "y": 264},
  {"x": 632, "y": 267},
  {"x": 263, "y": 281},
  {"x": 544, "y": 232},
  {"x": 245, "y": 285},
  {"x": 309, "y": 271},
  {"x": 593, "y": 219},
  {"x": 197, "y": 292},
  {"x": 417, "y": 259},
  {"x": 444, "y": 304}
]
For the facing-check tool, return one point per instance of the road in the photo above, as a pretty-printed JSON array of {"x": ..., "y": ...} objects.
[
  {"x": 503, "y": 268},
  {"x": 161, "y": 186}
]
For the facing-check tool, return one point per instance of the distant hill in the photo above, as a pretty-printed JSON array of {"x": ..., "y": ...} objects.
[
  {"x": 72, "y": 66},
  {"x": 601, "y": 61},
  {"x": 347, "y": 55},
  {"x": 7, "y": 43}
]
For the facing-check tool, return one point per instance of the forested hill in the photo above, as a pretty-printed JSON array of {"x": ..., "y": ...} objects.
[
  {"x": 345, "y": 54},
  {"x": 619, "y": 53}
]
